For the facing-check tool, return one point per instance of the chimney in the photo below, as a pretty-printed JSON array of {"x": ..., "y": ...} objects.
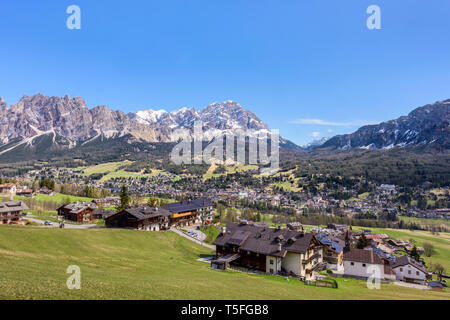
[{"x": 280, "y": 247}]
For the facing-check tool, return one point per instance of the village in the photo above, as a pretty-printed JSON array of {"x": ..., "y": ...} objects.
[{"x": 312, "y": 254}]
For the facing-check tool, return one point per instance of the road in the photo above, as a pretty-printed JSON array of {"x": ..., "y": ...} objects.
[
  {"x": 67, "y": 225},
  {"x": 181, "y": 233}
]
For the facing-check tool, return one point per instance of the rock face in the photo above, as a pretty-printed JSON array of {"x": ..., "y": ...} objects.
[
  {"x": 70, "y": 119},
  {"x": 427, "y": 125}
]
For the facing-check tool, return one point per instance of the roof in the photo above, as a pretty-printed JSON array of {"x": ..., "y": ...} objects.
[
  {"x": 361, "y": 255},
  {"x": 78, "y": 207},
  {"x": 12, "y": 206},
  {"x": 190, "y": 205},
  {"x": 8, "y": 185},
  {"x": 329, "y": 243},
  {"x": 264, "y": 240},
  {"x": 407, "y": 260},
  {"x": 142, "y": 213},
  {"x": 437, "y": 284}
]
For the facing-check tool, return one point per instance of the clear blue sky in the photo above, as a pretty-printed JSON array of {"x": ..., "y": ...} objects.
[{"x": 309, "y": 68}]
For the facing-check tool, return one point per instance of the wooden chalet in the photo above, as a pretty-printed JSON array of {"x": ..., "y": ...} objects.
[
  {"x": 268, "y": 250},
  {"x": 79, "y": 212},
  {"x": 11, "y": 212},
  {"x": 186, "y": 213},
  {"x": 143, "y": 218}
]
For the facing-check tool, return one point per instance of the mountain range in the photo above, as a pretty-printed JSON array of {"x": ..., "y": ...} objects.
[
  {"x": 425, "y": 126},
  {"x": 40, "y": 127}
]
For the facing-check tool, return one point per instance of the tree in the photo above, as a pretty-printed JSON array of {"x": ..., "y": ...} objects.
[
  {"x": 428, "y": 249},
  {"x": 439, "y": 270},
  {"x": 124, "y": 198},
  {"x": 422, "y": 202},
  {"x": 414, "y": 253},
  {"x": 362, "y": 242}
]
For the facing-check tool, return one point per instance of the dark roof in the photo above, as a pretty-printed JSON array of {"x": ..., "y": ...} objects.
[
  {"x": 78, "y": 207},
  {"x": 263, "y": 240},
  {"x": 361, "y": 255},
  {"x": 142, "y": 213},
  {"x": 437, "y": 284},
  {"x": 329, "y": 243},
  {"x": 405, "y": 260},
  {"x": 12, "y": 206},
  {"x": 190, "y": 205}
]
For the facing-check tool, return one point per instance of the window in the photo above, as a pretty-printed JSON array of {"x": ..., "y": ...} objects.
[
  {"x": 417, "y": 273},
  {"x": 271, "y": 270},
  {"x": 248, "y": 252},
  {"x": 409, "y": 271},
  {"x": 271, "y": 261},
  {"x": 401, "y": 269},
  {"x": 257, "y": 254},
  {"x": 352, "y": 263}
]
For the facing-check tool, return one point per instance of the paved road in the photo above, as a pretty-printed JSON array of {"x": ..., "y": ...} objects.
[
  {"x": 200, "y": 235},
  {"x": 181, "y": 233},
  {"x": 67, "y": 225}
]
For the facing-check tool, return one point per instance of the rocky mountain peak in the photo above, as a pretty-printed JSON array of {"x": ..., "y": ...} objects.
[{"x": 425, "y": 125}]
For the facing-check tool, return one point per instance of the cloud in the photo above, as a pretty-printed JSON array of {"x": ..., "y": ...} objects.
[
  {"x": 330, "y": 130},
  {"x": 320, "y": 122},
  {"x": 315, "y": 134}
]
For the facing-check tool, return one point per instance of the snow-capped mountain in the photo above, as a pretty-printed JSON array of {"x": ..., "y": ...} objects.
[
  {"x": 69, "y": 122},
  {"x": 427, "y": 125}
]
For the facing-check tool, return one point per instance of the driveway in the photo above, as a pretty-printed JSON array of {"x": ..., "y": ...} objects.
[
  {"x": 181, "y": 233},
  {"x": 199, "y": 235},
  {"x": 66, "y": 226}
]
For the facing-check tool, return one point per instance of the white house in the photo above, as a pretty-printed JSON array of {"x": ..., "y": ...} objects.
[
  {"x": 362, "y": 263},
  {"x": 409, "y": 270}
]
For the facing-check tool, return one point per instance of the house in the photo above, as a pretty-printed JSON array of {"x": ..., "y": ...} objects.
[
  {"x": 185, "y": 213},
  {"x": 409, "y": 270},
  {"x": 46, "y": 191},
  {"x": 107, "y": 202},
  {"x": 101, "y": 213},
  {"x": 268, "y": 250},
  {"x": 11, "y": 212},
  {"x": 332, "y": 252},
  {"x": 79, "y": 211},
  {"x": 8, "y": 189},
  {"x": 25, "y": 192},
  {"x": 360, "y": 263},
  {"x": 295, "y": 226},
  {"x": 142, "y": 218}
]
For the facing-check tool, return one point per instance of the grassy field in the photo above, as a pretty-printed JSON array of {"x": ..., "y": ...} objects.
[
  {"x": 125, "y": 264},
  {"x": 424, "y": 222},
  {"x": 112, "y": 170},
  {"x": 57, "y": 197}
]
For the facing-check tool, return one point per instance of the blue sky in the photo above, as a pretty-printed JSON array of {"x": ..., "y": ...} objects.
[{"x": 309, "y": 68}]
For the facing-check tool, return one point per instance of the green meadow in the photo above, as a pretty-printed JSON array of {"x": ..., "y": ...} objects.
[{"x": 126, "y": 264}]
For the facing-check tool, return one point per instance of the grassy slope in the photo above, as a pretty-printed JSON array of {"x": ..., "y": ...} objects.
[
  {"x": 57, "y": 197},
  {"x": 123, "y": 264}
]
